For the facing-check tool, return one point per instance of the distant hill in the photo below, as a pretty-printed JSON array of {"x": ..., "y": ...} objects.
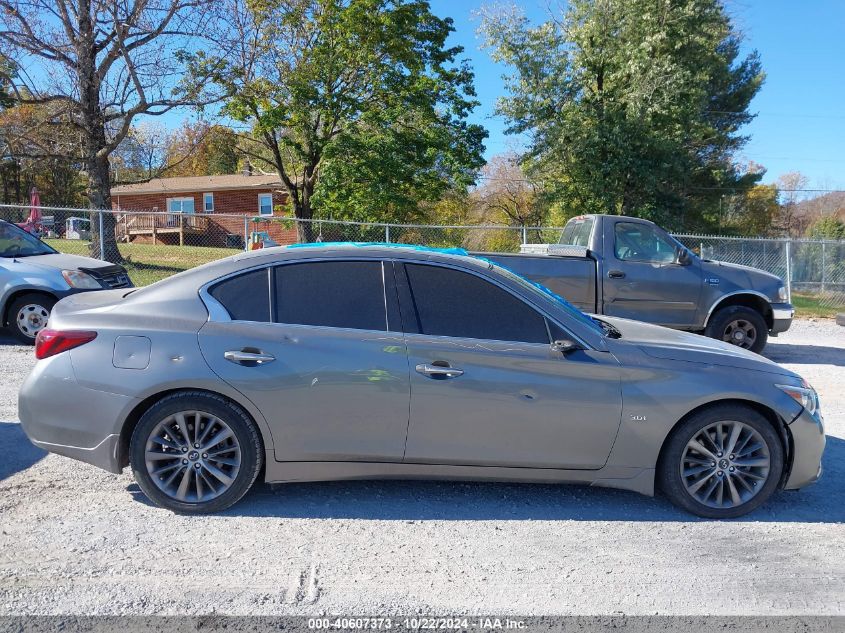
[{"x": 832, "y": 203}]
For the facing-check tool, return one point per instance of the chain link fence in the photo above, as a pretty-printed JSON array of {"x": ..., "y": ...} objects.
[{"x": 155, "y": 245}]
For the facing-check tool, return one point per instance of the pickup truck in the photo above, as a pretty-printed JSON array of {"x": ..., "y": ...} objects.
[{"x": 631, "y": 268}]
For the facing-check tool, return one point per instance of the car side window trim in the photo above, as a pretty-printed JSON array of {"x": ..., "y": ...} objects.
[{"x": 410, "y": 318}]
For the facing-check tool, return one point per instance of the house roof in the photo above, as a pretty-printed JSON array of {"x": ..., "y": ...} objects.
[{"x": 199, "y": 184}]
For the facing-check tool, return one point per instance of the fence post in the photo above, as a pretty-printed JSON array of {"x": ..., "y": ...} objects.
[
  {"x": 524, "y": 234},
  {"x": 789, "y": 269},
  {"x": 246, "y": 233},
  {"x": 387, "y": 233},
  {"x": 102, "y": 235},
  {"x": 823, "y": 264}
]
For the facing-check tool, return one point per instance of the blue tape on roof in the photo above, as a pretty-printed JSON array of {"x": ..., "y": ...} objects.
[{"x": 430, "y": 249}]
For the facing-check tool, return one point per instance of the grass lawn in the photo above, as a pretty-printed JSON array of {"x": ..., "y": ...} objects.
[
  {"x": 147, "y": 263},
  {"x": 816, "y": 306}
]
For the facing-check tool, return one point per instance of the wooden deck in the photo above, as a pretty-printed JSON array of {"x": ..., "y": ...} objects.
[{"x": 129, "y": 226}]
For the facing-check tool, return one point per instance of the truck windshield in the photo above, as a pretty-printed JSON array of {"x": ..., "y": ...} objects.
[
  {"x": 539, "y": 288},
  {"x": 15, "y": 242},
  {"x": 577, "y": 232}
]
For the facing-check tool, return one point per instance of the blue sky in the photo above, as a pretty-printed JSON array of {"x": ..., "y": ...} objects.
[{"x": 801, "y": 122}]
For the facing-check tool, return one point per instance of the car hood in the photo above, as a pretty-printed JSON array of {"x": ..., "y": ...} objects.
[
  {"x": 665, "y": 343},
  {"x": 61, "y": 261}
]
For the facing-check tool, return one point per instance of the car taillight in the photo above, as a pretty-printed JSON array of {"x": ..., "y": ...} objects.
[{"x": 51, "y": 342}]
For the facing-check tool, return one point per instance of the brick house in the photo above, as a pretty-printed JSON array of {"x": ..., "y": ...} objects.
[{"x": 201, "y": 210}]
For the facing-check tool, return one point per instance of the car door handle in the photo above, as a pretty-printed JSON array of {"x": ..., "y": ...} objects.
[
  {"x": 439, "y": 371},
  {"x": 241, "y": 357},
  {"x": 616, "y": 274}
]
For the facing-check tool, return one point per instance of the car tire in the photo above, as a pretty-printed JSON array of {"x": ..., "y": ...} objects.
[
  {"x": 692, "y": 479},
  {"x": 729, "y": 323},
  {"x": 201, "y": 473},
  {"x": 28, "y": 315}
]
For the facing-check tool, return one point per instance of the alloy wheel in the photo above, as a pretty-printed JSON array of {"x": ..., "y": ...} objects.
[
  {"x": 725, "y": 464},
  {"x": 192, "y": 456}
]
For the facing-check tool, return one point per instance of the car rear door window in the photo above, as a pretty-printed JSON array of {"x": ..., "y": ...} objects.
[
  {"x": 343, "y": 294},
  {"x": 245, "y": 297},
  {"x": 450, "y": 302}
]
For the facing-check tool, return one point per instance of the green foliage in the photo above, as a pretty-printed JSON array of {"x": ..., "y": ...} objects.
[
  {"x": 632, "y": 106},
  {"x": 358, "y": 104},
  {"x": 829, "y": 228}
]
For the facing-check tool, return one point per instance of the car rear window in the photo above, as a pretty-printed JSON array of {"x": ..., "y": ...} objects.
[
  {"x": 343, "y": 294},
  {"x": 245, "y": 297},
  {"x": 450, "y": 302}
]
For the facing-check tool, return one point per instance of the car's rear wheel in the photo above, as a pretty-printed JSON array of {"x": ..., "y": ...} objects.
[
  {"x": 196, "y": 453},
  {"x": 741, "y": 326},
  {"x": 28, "y": 315},
  {"x": 722, "y": 462}
]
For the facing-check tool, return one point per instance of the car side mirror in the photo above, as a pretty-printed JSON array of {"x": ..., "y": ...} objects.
[
  {"x": 564, "y": 346},
  {"x": 683, "y": 257}
]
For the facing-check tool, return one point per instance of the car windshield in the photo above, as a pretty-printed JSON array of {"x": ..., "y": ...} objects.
[
  {"x": 539, "y": 288},
  {"x": 15, "y": 242}
]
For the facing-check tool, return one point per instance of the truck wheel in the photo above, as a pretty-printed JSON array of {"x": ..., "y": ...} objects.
[
  {"x": 740, "y": 326},
  {"x": 28, "y": 315}
]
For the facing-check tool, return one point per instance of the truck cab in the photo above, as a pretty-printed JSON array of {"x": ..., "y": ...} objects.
[{"x": 632, "y": 268}]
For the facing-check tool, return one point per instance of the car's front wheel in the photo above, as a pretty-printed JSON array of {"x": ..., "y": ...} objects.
[
  {"x": 28, "y": 315},
  {"x": 195, "y": 453},
  {"x": 722, "y": 462}
]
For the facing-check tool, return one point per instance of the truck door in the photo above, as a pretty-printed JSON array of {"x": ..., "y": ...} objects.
[{"x": 643, "y": 278}]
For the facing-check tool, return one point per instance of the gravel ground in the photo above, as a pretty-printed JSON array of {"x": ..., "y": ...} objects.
[{"x": 76, "y": 540}]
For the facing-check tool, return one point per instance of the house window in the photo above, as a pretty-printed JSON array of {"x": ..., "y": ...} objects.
[
  {"x": 265, "y": 204},
  {"x": 208, "y": 202},
  {"x": 180, "y": 205}
]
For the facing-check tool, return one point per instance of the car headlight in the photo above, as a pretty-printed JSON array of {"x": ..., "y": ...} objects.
[
  {"x": 782, "y": 294},
  {"x": 806, "y": 396},
  {"x": 79, "y": 279}
]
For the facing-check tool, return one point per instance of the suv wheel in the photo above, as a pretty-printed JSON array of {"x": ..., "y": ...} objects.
[
  {"x": 195, "y": 453},
  {"x": 28, "y": 315},
  {"x": 722, "y": 463},
  {"x": 740, "y": 326}
]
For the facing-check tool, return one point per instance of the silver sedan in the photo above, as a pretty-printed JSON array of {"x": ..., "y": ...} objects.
[{"x": 363, "y": 361}]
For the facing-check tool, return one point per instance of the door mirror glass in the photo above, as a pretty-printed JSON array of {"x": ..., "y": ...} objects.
[{"x": 683, "y": 257}]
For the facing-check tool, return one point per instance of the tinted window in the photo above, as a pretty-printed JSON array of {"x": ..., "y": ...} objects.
[
  {"x": 453, "y": 303},
  {"x": 331, "y": 294},
  {"x": 577, "y": 232},
  {"x": 642, "y": 243},
  {"x": 246, "y": 297}
]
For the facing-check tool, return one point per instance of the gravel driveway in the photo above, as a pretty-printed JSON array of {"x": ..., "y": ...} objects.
[{"x": 77, "y": 540}]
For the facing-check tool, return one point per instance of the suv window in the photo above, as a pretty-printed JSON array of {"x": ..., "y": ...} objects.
[
  {"x": 245, "y": 297},
  {"x": 346, "y": 294},
  {"x": 642, "y": 243},
  {"x": 454, "y": 303}
]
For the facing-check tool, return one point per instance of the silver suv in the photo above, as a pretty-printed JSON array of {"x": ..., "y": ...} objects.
[{"x": 34, "y": 276}]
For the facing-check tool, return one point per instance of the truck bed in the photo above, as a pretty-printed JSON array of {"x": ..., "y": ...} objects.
[{"x": 573, "y": 278}]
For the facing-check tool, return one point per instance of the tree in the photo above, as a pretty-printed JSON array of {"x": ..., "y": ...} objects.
[
  {"x": 363, "y": 95},
  {"x": 630, "y": 107},
  {"x": 827, "y": 228},
  {"x": 756, "y": 211},
  {"x": 202, "y": 149},
  {"x": 105, "y": 63},
  {"x": 507, "y": 194},
  {"x": 790, "y": 185}
]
